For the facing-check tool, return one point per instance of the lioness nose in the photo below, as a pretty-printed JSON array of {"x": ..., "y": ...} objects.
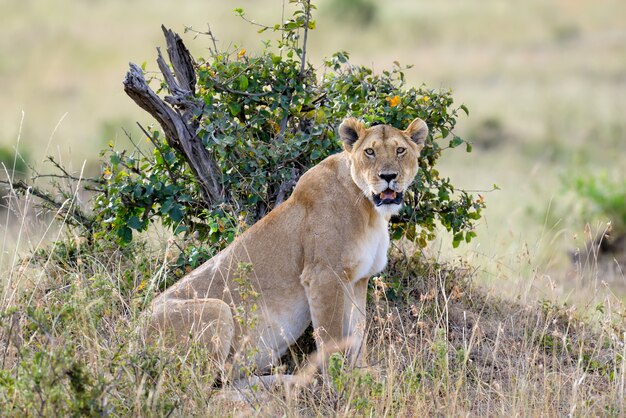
[{"x": 388, "y": 176}]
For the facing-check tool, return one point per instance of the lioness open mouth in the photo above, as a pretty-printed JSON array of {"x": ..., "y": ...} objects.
[{"x": 387, "y": 197}]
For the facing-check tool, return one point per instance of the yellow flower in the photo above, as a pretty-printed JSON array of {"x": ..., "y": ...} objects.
[
  {"x": 393, "y": 101},
  {"x": 241, "y": 53},
  {"x": 425, "y": 99},
  {"x": 142, "y": 285},
  {"x": 275, "y": 126}
]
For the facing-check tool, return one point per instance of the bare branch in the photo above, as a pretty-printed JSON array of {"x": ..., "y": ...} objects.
[
  {"x": 209, "y": 33},
  {"x": 182, "y": 61},
  {"x": 130, "y": 138},
  {"x": 66, "y": 175},
  {"x": 74, "y": 215},
  {"x": 177, "y": 114},
  {"x": 307, "y": 17}
]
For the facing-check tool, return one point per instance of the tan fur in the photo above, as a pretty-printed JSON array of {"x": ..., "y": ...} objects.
[{"x": 311, "y": 257}]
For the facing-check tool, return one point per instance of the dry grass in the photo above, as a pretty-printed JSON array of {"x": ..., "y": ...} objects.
[{"x": 438, "y": 344}]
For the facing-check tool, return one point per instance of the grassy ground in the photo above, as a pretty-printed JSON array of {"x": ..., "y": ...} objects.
[
  {"x": 70, "y": 345},
  {"x": 543, "y": 82}
]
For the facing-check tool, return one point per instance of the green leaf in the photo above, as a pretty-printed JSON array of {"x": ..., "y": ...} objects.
[
  {"x": 125, "y": 234},
  {"x": 458, "y": 237},
  {"x": 455, "y": 142},
  {"x": 234, "y": 108},
  {"x": 166, "y": 206},
  {"x": 176, "y": 214},
  {"x": 243, "y": 82},
  {"x": 115, "y": 159},
  {"x": 180, "y": 228},
  {"x": 134, "y": 222},
  {"x": 464, "y": 108}
]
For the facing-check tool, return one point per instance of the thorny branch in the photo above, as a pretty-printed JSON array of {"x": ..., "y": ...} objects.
[{"x": 64, "y": 208}]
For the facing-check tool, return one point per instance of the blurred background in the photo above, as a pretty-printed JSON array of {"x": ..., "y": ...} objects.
[{"x": 544, "y": 80}]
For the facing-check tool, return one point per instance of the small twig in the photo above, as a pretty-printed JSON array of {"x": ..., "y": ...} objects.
[
  {"x": 285, "y": 120},
  {"x": 58, "y": 166},
  {"x": 225, "y": 89},
  {"x": 493, "y": 189},
  {"x": 314, "y": 103},
  {"x": 78, "y": 218},
  {"x": 213, "y": 40},
  {"x": 67, "y": 177},
  {"x": 133, "y": 142},
  {"x": 208, "y": 33},
  {"x": 285, "y": 186},
  {"x": 9, "y": 337},
  {"x": 158, "y": 148},
  {"x": 307, "y": 14},
  {"x": 262, "y": 26}
]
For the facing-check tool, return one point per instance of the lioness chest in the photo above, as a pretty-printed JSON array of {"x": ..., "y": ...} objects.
[{"x": 370, "y": 252}]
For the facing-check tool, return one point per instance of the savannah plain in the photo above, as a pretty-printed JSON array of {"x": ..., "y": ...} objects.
[{"x": 545, "y": 85}]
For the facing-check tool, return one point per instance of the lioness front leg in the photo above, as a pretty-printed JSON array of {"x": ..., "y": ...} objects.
[
  {"x": 338, "y": 314},
  {"x": 355, "y": 307}
]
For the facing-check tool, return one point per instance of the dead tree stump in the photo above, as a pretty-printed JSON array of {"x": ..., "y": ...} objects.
[{"x": 177, "y": 112}]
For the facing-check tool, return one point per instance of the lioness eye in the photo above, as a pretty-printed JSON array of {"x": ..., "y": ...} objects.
[
  {"x": 400, "y": 151},
  {"x": 369, "y": 152}
]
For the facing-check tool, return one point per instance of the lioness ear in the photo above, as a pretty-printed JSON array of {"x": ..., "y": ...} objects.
[
  {"x": 417, "y": 131},
  {"x": 350, "y": 130}
]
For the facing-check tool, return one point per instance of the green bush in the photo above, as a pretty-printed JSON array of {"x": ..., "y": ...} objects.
[
  {"x": 268, "y": 118},
  {"x": 355, "y": 12},
  {"x": 602, "y": 198},
  {"x": 13, "y": 164}
]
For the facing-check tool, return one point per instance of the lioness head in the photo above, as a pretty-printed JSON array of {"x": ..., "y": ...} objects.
[{"x": 383, "y": 160}]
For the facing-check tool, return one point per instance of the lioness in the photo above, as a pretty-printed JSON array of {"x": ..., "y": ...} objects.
[{"x": 311, "y": 256}]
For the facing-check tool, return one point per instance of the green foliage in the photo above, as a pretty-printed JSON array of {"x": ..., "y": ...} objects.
[
  {"x": 53, "y": 384},
  {"x": 11, "y": 162},
  {"x": 356, "y": 12},
  {"x": 364, "y": 389},
  {"x": 441, "y": 367},
  {"x": 246, "y": 316},
  {"x": 266, "y": 120},
  {"x": 602, "y": 198}
]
